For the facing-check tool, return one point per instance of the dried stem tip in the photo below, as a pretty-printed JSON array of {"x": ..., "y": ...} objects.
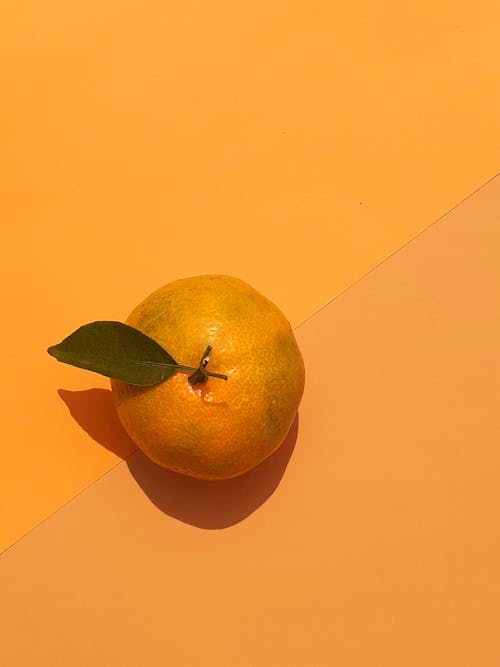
[{"x": 199, "y": 375}]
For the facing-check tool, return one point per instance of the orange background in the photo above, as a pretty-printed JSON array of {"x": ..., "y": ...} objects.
[
  {"x": 370, "y": 538},
  {"x": 291, "y": 144},
  {"x": 295, "y": 145}
]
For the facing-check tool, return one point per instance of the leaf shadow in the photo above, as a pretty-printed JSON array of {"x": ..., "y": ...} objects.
[
  {"x": 205, "y": 504},
  {"x": 94, "y": 412}
]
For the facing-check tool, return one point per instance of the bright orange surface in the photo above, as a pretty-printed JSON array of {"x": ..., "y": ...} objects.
[
  {"x": 291, "y": 144},
  {"x": 369, "y": 540}
]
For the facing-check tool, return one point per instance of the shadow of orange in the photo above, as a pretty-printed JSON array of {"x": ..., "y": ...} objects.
[
  {"x": 206, "y": 504},
  {"x": 94, "y": 411}
]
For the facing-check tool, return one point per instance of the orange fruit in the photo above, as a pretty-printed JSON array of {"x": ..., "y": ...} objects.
[{"x": 219, "y": 428}]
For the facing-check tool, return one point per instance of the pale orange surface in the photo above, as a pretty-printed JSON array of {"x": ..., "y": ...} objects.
[
  {"x": 370, "y": 539},
  {"x": 293, "y": 145}
]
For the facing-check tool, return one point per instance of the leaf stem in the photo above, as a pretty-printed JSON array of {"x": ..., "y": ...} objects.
[{"x": 180, "y": 367}]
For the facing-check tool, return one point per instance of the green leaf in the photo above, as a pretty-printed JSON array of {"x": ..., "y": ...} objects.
[{"x": 118, "y": 351}]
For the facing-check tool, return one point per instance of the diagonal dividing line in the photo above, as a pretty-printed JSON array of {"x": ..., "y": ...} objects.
[
  {"x": 395, "y": 252},
  {"x": 307, "y": 319}
]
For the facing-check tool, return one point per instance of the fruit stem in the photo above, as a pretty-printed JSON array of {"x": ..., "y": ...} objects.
[{"x": 200, "y": 375}]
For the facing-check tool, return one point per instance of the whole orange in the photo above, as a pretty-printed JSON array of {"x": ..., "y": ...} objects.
[{"x": 219, "y": 428}]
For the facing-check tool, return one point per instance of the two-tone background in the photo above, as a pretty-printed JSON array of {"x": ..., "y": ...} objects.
[{"x": 340, "y": 157}]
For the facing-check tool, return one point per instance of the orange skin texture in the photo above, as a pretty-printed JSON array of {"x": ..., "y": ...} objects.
[{"x": 221, "y": 428}]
